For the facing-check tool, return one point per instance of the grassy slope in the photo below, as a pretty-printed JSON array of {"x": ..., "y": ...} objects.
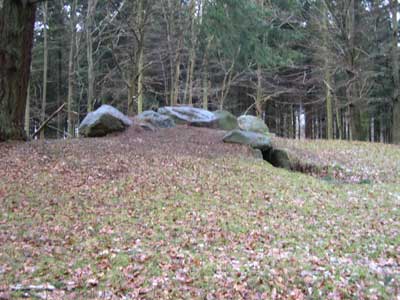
[{"x": 179, "y": 215}]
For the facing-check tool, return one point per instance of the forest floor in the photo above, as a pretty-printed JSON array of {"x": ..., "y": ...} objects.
[{"x": 177, "y": 214}]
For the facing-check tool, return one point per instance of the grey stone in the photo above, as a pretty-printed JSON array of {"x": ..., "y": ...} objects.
[
  {"x": 253, "y": 124},
  {"x": 189, "y": 115},
  {"x": 106, "y": 119},
  {"x": 252, "y": 139},
  {"x": 225, "y": 120},
  {"x": 146, "y": 126},
  {"x": 156, "y": 119}
]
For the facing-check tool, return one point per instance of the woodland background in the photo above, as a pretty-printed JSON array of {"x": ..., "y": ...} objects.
[{"x": 315, "y": 69}]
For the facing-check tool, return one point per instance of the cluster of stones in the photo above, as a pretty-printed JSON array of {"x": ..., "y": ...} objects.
[
  {"x": 108, "y": 119},
  {"x": 253, "y": 132},
  {"x": 245, "y": 130}
]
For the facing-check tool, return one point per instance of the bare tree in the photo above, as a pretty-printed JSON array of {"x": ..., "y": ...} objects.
[
  {"x": 188, "y": 94},
  {"x": 45, "y": 65},
  {"x": 327, "y": 72},
  {"x": 71, "y": 71},
  {"x": 92, "y": 4}
]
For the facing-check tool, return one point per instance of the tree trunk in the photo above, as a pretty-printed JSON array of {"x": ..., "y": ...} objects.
[
  {"x": 309, "y": 121},
  {"x": 140, "y": 63},
  {"x": 226, "y": 85},
  {"x": 59, "y": 25},
  {"x": 188, "y": 94},
  {"x": 45, "y": 66},
  {"x": 28, "y": 111},
  {"x": 191, "y": 74},
  {"x": 290, "y": 121},
  {"x": 205, "y": 74},
  {"x": 357, "y": 131},
  {"x": 299, "y": 119},
  {"x": 259, "y": 92},
  {"x": 89, "y": 52},
  {"x": 346, "y": 123},
  {"x": 327, "y": 75},
  {"x": 350, "y": 91},
  {"x": 396, "y": 79},
  {"x": 131, "y": 94},
  {"x": 173, "y": 49},
  {"x": 16, "y": 38},
  {"x": 339, "y": 132},
  {"x": 356, "y": 124},
  {"x": 205, "y": 89},
  {"x": 71, "y": 71},
  {"x": 175, "y": 84},
  {"x": 60, "y": 120},
  {"x": 140, "y": 80},
  {"x": 176, "y": 69}
]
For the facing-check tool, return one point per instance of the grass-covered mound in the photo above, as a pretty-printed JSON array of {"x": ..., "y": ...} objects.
[{"x": 178, "y": 214}]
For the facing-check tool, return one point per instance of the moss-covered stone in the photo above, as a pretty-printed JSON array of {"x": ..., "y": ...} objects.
[
  {"x": 253, "y": 124},
  {"x": 252, "y": 139},
  {"x": 225, "y": 120}
]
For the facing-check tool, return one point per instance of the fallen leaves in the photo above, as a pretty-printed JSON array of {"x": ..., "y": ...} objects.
[{"x": 177, "y": 214}]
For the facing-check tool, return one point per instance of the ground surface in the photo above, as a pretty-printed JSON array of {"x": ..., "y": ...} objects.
[{"x": 177, "y": 214}]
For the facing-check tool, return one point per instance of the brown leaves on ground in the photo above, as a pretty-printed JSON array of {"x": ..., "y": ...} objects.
[{"x": 177, "y": 214}]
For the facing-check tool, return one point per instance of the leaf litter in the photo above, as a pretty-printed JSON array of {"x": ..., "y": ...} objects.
[{"x": 177, "y": 214}]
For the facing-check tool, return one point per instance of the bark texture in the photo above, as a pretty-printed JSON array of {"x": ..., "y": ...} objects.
[
  {"x": 71, "y": 71},
  {"x": 89, "y": 52},
  {"x": 396, "y": 79},
  {"x": 16, "y": 38}
]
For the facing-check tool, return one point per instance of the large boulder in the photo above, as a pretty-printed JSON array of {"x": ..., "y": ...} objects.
[
  {"x": 156, "y": 119},
  {"x": 253, "y": 124},
  {"x": 225, "y": 120},
  {"x": 252, "y": 139},
  {"x": 106, "y": 119},
  {"x": 189, "y": 115}
]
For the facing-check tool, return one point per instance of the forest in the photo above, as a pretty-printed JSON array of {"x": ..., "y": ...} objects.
[{"x": 314, "y": 69}]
